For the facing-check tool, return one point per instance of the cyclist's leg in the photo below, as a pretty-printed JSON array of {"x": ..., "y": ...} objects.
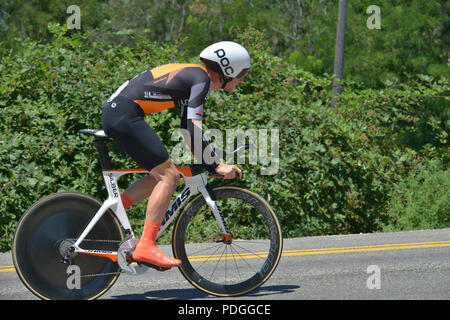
[
  {"x": 138, "y": 191},
  {"x": 123, "y": 120},
  {"x": 167, "y": 178}
]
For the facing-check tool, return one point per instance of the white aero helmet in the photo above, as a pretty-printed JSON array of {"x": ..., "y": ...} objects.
[{"x": 229, "y": 58}]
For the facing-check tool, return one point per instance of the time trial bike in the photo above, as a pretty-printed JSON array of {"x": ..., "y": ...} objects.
[{"x": 228, "y": 237}]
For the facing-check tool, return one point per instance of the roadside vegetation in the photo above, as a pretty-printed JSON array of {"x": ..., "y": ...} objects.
[{"x": 376, "y": 160}]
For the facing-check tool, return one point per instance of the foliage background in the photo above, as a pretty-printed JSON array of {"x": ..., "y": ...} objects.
[
  {"x": 376, "y": 160},
  {"x": 414, "y": 36}
]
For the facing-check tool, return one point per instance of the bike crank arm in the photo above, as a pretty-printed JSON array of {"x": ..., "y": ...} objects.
[{"x": 125, "y": 260}]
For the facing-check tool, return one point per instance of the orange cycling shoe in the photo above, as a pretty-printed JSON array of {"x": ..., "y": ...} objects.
[{"x": 146, "y": 250}]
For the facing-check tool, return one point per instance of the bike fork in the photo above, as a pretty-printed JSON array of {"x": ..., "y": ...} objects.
[{"x": 211, "y": 200}]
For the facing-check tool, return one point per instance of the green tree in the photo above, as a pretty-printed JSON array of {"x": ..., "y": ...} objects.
[{"x": 414, "y": 34}]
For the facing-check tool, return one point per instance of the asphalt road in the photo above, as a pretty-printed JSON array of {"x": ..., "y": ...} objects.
[{"x": 402, "y": 265}]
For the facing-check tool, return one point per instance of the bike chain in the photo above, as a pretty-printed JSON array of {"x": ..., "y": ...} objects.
[
  {"x": 98, "y": 240},
  {"x": 100, "y": 274}
]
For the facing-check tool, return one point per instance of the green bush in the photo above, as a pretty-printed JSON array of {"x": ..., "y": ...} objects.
[
  {"x": 47, "y": 93},
  {"x": 337, "y": 165},
  {"x": 421, "y": 200}
]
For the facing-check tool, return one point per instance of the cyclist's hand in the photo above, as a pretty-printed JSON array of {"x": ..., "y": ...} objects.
[{"x": 229, "y": 171}]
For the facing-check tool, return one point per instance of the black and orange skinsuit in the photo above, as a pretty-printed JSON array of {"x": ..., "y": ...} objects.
[{"x": 186, "y": 86}]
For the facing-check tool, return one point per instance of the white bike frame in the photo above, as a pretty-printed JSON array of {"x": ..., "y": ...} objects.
[{"x": 194, "y": 184}]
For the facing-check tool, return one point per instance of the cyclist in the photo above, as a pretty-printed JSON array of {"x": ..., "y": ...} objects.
[{"x": 173, "y": 85}]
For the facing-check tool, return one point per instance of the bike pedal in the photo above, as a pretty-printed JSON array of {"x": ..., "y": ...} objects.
[{"x": 153, "y": 266}]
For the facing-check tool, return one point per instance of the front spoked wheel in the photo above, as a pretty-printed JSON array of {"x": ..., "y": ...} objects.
[{"x": 220, "y": 268}]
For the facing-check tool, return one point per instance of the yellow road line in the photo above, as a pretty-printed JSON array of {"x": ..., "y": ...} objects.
[
  {"x": 228, "y": 256},
  {"x": 381, "y": 247},
  {"x": 301, "y": 252},
  {"x": 7, "y": 268}
]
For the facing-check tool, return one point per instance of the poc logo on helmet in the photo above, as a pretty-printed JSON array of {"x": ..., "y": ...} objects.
[{"x": 224, "y": 61}]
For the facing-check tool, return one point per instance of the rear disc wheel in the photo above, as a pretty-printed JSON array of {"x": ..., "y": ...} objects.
[{"x": 45, "y": 233}]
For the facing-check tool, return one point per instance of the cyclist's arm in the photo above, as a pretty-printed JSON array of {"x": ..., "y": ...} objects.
[
  {"x": 200, "y": 146},
  {"x": 192, "y": 121}
]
